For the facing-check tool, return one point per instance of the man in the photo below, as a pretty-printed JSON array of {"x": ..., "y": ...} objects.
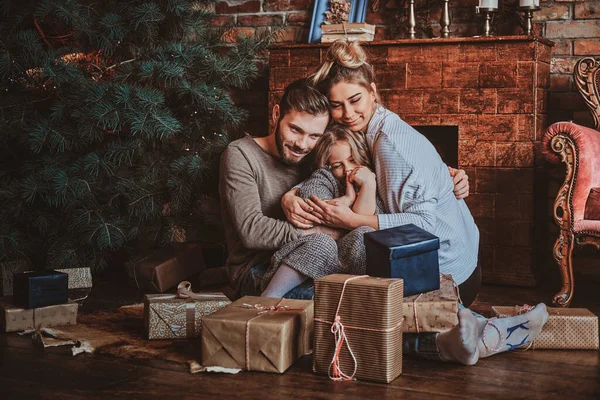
[{"x": 257, "y": 172}]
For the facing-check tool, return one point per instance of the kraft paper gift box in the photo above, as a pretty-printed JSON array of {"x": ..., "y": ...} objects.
[
  {"x": 258, "y": 334},
  {"x": 371, "y": 314},
  {"x": 567, "y": 328},
  {"x": 16, "y": 319},
  {"x": 7, "y": 270},
  {"x": 163, "y": 269},
  {"x": 179, "y": 316},
  {"x": 406, "y": 252},
  {"x": 435, "y": 311},
  {"x": 34, "y": 289}
]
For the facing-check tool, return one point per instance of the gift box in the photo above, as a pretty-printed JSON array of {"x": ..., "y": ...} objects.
[
  {"x": 16, "y": 319},
  {"x": 163, "y": 269},
  {"x": 258, "y": 334},
  {"x": 435, "y": 311},
  {"x": 79, "y": 278},
  {"x": 7, "y": 270},
  {"x": 567, "y": 328},
  {"x": 406, "y": 252},
  {"x": 36, "y": 289},
  {"x": 179, "y": 316},
  {"x": 369, "y": 311}
]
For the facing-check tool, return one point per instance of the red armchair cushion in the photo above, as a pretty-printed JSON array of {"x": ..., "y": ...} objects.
[{"x": 592, "y": 205}]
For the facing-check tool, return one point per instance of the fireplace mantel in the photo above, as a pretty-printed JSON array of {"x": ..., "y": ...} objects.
[
  {"x": 427, "y": 41},
  {"x": 494, "y": 89}
]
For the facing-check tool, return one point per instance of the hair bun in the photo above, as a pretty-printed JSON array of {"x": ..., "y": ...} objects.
[{"x": 347, "y": 54}]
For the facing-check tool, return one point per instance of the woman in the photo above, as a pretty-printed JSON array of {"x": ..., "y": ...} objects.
[{"x": 414, "y": 185}]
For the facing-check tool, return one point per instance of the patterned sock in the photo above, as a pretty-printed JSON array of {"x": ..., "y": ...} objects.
[
  {"x": 503, "y": 334},
  {"x": 285, "y": 279}
]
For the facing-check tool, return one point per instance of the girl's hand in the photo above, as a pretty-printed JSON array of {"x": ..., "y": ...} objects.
[
  {"x": 333, "y": 213},
  {"x": 461, "y": 182},
  {"x": 350, "y": 197},
  {"x": 362, "y": 176},
  {"x": 297, "y": 211}
]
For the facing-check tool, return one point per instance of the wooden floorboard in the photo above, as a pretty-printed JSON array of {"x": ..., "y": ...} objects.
[{"x": 29, "y": 372}]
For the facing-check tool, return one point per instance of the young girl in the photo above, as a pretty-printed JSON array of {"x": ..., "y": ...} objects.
[
  {"x": 343, "y": 175},
  {"x": 415, "y": 188},
  {"x": 343, "y": 172}
]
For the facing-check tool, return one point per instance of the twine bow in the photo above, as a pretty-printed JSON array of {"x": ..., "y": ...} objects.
[
  {"x": 339, "y": 334},
  {"x": 265, "y": 309},
  {"x": 262, "y": 310}
]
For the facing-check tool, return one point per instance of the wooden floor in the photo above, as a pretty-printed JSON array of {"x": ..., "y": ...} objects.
[{"x": 27, "y": 372}]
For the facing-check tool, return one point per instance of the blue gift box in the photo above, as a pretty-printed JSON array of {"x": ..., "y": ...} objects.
[
  {"x": 40, "y": 289},
  {"x": 406, "y": 252}
]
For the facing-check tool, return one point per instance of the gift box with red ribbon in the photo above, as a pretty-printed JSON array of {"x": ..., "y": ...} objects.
[
  {"x": 358, "y": 327},
  {"x": 258, "y": 334},
  {"x": 179, "y": 316}
]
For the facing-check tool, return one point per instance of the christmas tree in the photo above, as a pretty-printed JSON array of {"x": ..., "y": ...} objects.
[{"x": 113, "y": 115}]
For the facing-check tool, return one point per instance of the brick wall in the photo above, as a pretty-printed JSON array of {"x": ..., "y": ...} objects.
[{"x": 573, "y": 25}]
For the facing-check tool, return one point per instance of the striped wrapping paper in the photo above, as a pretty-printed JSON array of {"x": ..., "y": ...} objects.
[{"x": 371, "y": 311}]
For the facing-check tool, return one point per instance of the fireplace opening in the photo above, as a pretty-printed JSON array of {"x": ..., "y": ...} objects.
[{"x": 445, "y": 141}]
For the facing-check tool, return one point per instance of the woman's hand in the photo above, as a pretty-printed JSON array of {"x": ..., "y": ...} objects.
[
  {"x": 333, "y": 213},
  {"x": 461, "y": 182},
  {"x": 297, "y": 211},
  {"x": 362, "y": 176}
]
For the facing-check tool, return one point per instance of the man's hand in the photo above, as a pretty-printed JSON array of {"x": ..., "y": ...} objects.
[
  {"x": 461, "y": 182},
  {"x": 297, "y": 211},
  {"x": 333, "y": 213}
]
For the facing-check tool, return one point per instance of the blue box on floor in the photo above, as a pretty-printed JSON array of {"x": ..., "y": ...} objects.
[
  {"x": 40, "y": 289},
  {"x": 406, "y": 252}
]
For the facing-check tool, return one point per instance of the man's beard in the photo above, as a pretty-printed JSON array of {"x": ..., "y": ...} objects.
[{"x": 281, "y": 150}]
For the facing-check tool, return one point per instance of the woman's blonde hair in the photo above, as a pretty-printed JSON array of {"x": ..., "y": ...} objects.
[
  {"x": 339, "y": 133},
  {"x": 345, "y": 61}
]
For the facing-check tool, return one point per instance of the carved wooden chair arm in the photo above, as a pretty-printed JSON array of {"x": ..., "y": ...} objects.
[{"x": 579, "y": 148}]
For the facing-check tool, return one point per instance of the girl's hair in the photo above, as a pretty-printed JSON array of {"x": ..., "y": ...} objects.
[
  {"x": 345, "y": 61},
  {"x": 340, "y": 133}
]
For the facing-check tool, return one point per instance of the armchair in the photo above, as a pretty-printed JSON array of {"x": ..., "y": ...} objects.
[{"x": 578, "y": 148}]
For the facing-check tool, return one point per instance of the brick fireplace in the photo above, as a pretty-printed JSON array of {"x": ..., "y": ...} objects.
[{"x": 494, "y": 91}]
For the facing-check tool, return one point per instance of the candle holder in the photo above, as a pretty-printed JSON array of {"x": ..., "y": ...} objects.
[
  {"x": 528, "y": 10},
  {"x": 412, "y": 22},
  {"x": 445, "y": 21},
  {"x": 487, "y": 15}
]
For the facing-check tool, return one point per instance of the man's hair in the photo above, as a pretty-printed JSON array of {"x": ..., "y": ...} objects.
[{"x": 301, "y": 96}]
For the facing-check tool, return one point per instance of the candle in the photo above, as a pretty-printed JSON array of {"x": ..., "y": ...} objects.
[
  {"x": 488, "y": 3},
  {"x": 529, "y": 3}
]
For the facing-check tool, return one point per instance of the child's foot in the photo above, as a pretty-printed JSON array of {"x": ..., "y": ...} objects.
[
  {"x": 460, "y": 343},
  {"x": 503, "y": 334}
]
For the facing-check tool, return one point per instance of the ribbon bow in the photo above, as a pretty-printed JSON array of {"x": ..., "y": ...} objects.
[
  {"x": 265, "y": 309},
  {"x": 262, "y": 310},
  {"x": 339, "y": 333},
  {"x": 184, "y": 291}
]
